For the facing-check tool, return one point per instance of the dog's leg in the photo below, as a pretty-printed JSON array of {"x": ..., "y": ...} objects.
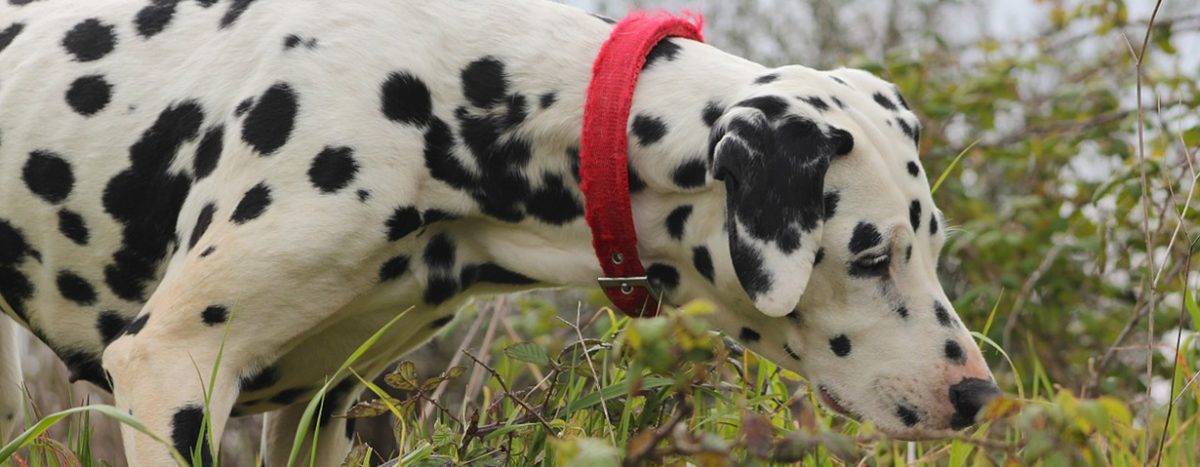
[
  {"x": 333, "y": 429},
  {"x": 10, "y": 378}
]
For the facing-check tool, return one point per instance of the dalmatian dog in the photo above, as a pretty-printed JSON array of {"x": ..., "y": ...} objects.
[{"x": 271, "y": 181}]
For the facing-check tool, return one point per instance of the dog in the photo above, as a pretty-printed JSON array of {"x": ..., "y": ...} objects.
[{"x": 274, "y": 180}]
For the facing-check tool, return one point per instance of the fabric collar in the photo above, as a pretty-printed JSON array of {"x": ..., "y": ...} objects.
[{"x": 604, "y": 159}]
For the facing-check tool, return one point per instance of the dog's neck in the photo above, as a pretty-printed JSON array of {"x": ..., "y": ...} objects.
[{"x": 677, "y": 206}]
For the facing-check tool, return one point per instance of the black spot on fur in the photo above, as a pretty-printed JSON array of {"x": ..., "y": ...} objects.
[
  {"x": 137, "y": 324},
  {"x": 404, "y": 220},
  {"x": 902, "y": 311},
  {"x": 548, "y": 99},
  {"x": 703, "y": 262},
  {"x": 440, "y": 252},
  {"x": 264, "y": 378},
  {"x": 771, "y": 106},
  {"x": 831, "y": 204},
  {"x": 839, "y": 80},
  {"x": 954, "y": 352},
  {"x": 214, "y": 315},
  {"x": 155, "y": 17},
  {"x": 208, "y": 251},
  {"x": 244, "y": 106},
  {"x": 363, "y": 195},
  {"x": 677, "y": 220},
  {"x": 838, "y": 102},
  {"x": 431, "y": 216},
  {"x": 234, "y": 12},
  {"x": 942, "y": 314},
  {"x": 336, "y": 401},
  {"x": 72, "y": 226},
  {"x": 75, "y": 288},
  {"x": 83, "y": 366},
  {"x": 491, "y": 274},
  {"x": 89, "y": 94},
  {"x": 48, "y": 175},
  {"x": 146, "y": 199},
  {"x": 648, "y": 129},
  {"x": 553, "y": 203},
  {"x": 202, "y": 222},
  {"x": 907, "y": 253},
  {"x": 604, "y": 18},
  {"x": 635, "y": 182},
  {"x": 791, "y": 353},
  {"x": 913, "y": 168},
  {"x": 406, "y": 99},
  {"x": 907, "y": 415},
  {"x": 865, "y": 236},
  {"x": 485, "y": 82},
  {"x": 110, "y": 324},
  {"x": 748, "y": 335},
  {"x": 208, "y": 152},
  {"x": 933, "y": 223},
  {"x": 816, "y": 102},
  {"x": 441, "y": 322},
  {"x": 900, "y": 98},
  {"x": 440, "y": 289},
  {"x": 8, "y": 34},
  {"x": 252, "y": 205},
  {"x": 884, "y": 101},
  {"x": 662, "y": 278},
  {"x": 747, "y": 263},
  {"x": 914, "y": 214},
  {"x": 291, "y": 41},
  {"x": 768, "y": 78},
  {"x": 665, "y": 49},
  {"x": 820, "y": 256},
  {"x": 269, "y": 124},
  {"x": 690, "y": 174},
  {"x": 15, "y": 287},
  {"x": 712, "y": 112},
  {"x": 393, "y": 268},
  {"x": 841, "y": 141},
  {"x": 333, "y": 169},
  {"x": 840, "y": 345},
  {"x": 186, "y": 428},
  {"x": 90, "y": 40},
  {"x": 913, "y": 132}
]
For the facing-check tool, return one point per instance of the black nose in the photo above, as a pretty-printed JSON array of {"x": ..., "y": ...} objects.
[{"x": 968, "y": 396}]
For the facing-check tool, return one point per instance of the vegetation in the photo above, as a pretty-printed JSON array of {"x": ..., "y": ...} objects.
[{"x": 1069, "y": 162}]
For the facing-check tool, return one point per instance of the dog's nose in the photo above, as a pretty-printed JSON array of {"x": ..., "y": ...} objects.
[{"x": 967, "y": 397}]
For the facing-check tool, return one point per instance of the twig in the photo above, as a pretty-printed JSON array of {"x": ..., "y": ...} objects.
[
  {"x": 508, "y": 393},
  {"x": 454, "y": 360},
  {"x": 1027, "y": 290},
  {"x": 683, "y": 409},
  {"x": 1175, "y": 363},
  {"x": 595, "y": 381},
  {"x": 475, "y": 384},
  {"x": 1153, "y": 285}
]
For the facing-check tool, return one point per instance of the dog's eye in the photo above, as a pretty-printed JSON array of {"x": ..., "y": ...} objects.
[{"x": 871, "y": 265}]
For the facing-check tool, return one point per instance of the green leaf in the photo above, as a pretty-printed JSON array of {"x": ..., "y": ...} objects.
[
  {"x": 528, "y": 352},
  {"x": 612, "y": 391}
]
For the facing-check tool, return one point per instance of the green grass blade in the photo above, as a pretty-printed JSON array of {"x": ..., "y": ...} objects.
[
  {"x": 307, "y": 418},
  {"x": 30, "y": 435},
  {"x": 950, "y": 168}
]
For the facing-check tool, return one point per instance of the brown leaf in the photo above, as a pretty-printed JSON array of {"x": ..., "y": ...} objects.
[
  {"x": 357, "y": 457},
  {"x": 640, "y": 444},
  {"x": 371, "y": 408},
  {"x": 757, "y": 432}
]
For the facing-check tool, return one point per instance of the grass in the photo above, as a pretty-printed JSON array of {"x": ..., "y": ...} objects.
[{"x": 666, "y": 390}]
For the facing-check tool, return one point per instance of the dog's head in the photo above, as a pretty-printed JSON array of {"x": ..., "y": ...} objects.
[{"x": 833, "y": 243}]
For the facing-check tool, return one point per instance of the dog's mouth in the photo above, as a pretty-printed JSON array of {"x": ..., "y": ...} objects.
[{"x": 831, "y": 401}]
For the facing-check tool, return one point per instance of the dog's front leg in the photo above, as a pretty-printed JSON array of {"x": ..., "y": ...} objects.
[{"x": 11, "y": 391}]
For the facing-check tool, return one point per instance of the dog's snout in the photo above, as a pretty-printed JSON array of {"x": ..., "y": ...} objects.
[{"x": 967, "y": 397}]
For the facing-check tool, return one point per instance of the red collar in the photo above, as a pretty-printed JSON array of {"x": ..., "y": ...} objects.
[{"x": 604, "y": 159}]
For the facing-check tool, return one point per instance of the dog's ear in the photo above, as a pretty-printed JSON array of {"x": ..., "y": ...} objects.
[{"x": 774, "y": 176}]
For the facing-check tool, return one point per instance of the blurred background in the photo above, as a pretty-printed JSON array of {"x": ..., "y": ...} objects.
[{"x": 1086, "y": 267}]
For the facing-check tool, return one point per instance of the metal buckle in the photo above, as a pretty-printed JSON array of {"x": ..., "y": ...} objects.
[{"x": 625, "y": 284}]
